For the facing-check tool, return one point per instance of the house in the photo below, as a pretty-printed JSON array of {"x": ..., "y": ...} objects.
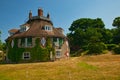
[{"x": 37, "y": 40}]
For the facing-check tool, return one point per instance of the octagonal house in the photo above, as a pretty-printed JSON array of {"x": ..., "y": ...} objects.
[{"x": 37, "y": 40}]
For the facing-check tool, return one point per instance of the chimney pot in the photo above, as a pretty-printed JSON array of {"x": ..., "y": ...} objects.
[
  {"x": 40, "y": 12},
  {"x": 30, "y": 14}
]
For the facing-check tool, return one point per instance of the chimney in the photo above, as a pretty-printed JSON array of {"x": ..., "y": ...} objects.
[
  {"x": 30, "y": 14},
  {"x": 48, "y": 16},
  {"x": 40, "y": 12}
]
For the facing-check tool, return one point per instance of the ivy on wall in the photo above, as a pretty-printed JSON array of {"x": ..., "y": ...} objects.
[{"x": 37, "y": 53}]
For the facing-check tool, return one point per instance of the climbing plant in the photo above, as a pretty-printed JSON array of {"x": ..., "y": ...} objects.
[{"x": 37, "y": 53}]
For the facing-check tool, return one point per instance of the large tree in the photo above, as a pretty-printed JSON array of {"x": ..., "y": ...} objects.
[
  {"x": 0, "y": 41},
  {"x": 85, "y": 31},
  {"x": 116, "y": 22},
  {"x": 2, "y": 45},
  {"x": 116, "y": 31},
  {"x": 84, "y": 23}
]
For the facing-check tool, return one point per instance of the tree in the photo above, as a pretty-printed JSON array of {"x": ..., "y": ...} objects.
[
  {"x": 116, "y": 31},
  {"x": 85, "y": 31},
  {"x": 84, "y": 23},
  {"x": 0, "y": 42},
  {"x": 2, "y": 45},
  {"x": 116, "y": 22}
]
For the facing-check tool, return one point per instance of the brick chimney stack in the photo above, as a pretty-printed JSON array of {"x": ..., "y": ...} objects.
[
  {"x": 30, "y": 14},
  {"x": 40, "y": 12}
]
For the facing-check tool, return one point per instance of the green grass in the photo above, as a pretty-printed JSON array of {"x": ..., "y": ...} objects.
[
  {"x": 86, "y": 66},
  {"x": 102, "y": 67}
]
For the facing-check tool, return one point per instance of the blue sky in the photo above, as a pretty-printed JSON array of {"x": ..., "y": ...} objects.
[{"x": 62, "y": 12}]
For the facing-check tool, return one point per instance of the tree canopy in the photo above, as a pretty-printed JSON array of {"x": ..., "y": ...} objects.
[
  {"x": 85, "y": 23},
  {"x": 89, "y": 34},
  {"x": 0, "y": 42},
  {"x": 2, "y": 45},
  {"x": 116, "y": 22}
]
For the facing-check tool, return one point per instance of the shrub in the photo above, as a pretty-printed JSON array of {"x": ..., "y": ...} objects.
[
  {"x": 96, "y": 48},
  {"x": 117, "y": 49},
  {"x": 111, "y": 46}
]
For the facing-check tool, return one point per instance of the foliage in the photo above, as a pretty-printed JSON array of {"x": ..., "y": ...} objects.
[
  {"x": 15, "y": 53},
  {"x": 116, "y": 31},
  {"x": 111, "y": 46},
  {"x": 116, "y": 22},
  {"x": 117, "y": 49},
  {"x": 86, "y": 31},
  {"x": 96, "y": 48},
  {"x": 37, "y": 53},
  {"x": 84, "y": 23},
  {"x": 116, "y": 35},
  {"x": 0, "y": 42},
  {"x": 90, "y": 35}
]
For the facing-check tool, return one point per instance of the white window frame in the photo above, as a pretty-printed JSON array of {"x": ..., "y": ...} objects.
[
  {"x": 26, "y": 55},
  {"x": 48, "y": 28},
  {"x": 24, "y": 28},
  {"x": 58, "y": 55},
  {"x": 26, "y": 43}
]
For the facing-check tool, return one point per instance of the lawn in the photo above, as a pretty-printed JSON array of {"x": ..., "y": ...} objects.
[{"x": 101, "y": 67}]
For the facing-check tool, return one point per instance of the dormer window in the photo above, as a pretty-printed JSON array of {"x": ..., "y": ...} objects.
[
  {"x": 24, "y": 28},
  {"x": 47, "y": 28},
  {"x": 13, "y": 31}
]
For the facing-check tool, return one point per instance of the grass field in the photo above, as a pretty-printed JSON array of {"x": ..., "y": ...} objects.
[{"x": 102, "y": 67}]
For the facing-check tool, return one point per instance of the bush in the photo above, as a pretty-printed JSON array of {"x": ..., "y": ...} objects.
[
  {"x": 96, "y": 48},
  {"x": 117, "y": 49},
  {"x": 111, "y": 46}
]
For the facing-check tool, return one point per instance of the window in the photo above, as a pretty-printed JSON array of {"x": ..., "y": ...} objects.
[
  {"x": 12, "y": 43},
  {"x": 26, "y": 42},
  {"x": 60, "y": 41},
  {"x": 23, "y": 42},
  {"x": 24, "y": 28},
  {"x": 29, "y": 41},
  {"x": 56, "y": 41},
  {"x": 26, "y": 55},
  {"x": 47, "y": 28},
  {"x": 58, "y": 54},
  {"x": 43, "y": 41}
]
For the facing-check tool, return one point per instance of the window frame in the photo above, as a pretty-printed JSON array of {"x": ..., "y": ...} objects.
[
  {"x": 26, "y": 55},
  {"x": 47, "y": 28},
  {"x": 58, "y": 53}
]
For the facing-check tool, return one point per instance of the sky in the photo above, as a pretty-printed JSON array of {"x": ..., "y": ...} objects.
[{"x": 13, "y": 13}]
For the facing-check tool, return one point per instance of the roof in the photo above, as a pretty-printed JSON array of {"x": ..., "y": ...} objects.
[
  {"x": 59, "y": 28},
  {"x": 26, "y": 24},
  {"x": 13, "y": 30},
  {"x": 39, "y": 18},
  {"x": 36, "y": 24},
  {"x": 36, "y": 30}
]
